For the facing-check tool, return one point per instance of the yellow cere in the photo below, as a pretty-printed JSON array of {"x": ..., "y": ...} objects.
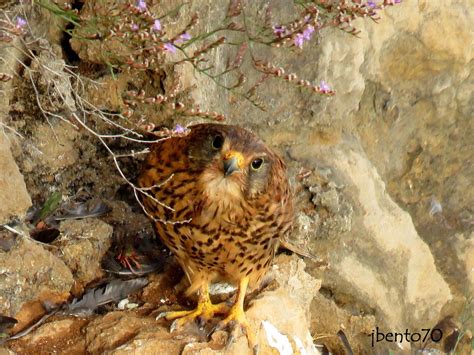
[{"x": 234, "y": 154}]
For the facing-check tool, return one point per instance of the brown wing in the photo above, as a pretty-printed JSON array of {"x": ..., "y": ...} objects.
[{"x": 167, "y": 182}]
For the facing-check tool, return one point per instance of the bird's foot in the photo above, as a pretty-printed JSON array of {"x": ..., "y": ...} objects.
[
  {"x": 128, "y": 257},
  {"x": 235, "y": 320},
  {"x": 203, "y": 312}
]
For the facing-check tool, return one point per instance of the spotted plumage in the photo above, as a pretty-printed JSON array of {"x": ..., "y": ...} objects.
[{"x": 220, "y": 200}]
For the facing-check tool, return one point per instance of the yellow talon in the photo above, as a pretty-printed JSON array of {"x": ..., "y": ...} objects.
[
  {"x": 205, "y": 310},
  {"x": 237, "y": 318}
]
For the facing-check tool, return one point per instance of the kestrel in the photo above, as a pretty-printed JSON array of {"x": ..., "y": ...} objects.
[{"x": 220, "y": 200}]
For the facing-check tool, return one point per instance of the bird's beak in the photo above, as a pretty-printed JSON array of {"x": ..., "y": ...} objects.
[{"x": 232, "y": 163}]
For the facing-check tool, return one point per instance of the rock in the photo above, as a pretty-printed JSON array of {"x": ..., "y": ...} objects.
[
  {"x": 55, "y": 146},
  {"x": 30, "y": 274},
  {"x": 157, "y": 340},
  {"x": 126, "y": 332},
  {"x": 113, "y": 330},
  {"x": 279, "y": 317},
  {"x": 13, "y": 193},
  {"x": 381, "y": 266},
  {"x": 328, "y": 317},
  {"x": 86, "y": 242},
  {"x": 63, "y": 335},
  {"x": 289, "y": 272},
  {"x": 5, "y": 351},
  {"x": 464, "y": 246},
  {"x": 279, "y": 314},
  {"x": 414, "y": 119}
]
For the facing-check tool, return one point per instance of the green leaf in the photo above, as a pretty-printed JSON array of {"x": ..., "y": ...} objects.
[{"x": 50, "y": 205}]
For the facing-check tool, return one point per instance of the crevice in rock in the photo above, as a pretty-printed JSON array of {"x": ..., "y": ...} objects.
[
  {"x": 346, "y": 302},
  {"x": 70, "y": 55}
]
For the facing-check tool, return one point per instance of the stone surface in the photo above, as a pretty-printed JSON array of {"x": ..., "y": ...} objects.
[
  {"x": 113, "y": 330},
  {"x": 5, "y": 351},
  {"x": 380, "y": 266},
  {"x": 55, "y": 146},
  {"x": 30, "y": 274},
  {"x": 63, "y": 335},
  {"x": 83, "y": 246},
  {"x": 330, "y": 318},
  {"x": 14, "y": 196},
  {"x": 285, "y": 308},
  {"x": 279, "y": 317},
  {"x": 13, "y": 193}
]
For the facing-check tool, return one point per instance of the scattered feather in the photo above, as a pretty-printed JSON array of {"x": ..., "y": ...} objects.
[
  {"x": 83, "y": 210},
  {"x": 138, "y": 255},
  {"x": 147, "y": 266},
  {"x": 7, "y": 240},
  {"x": 448, "y": 330},
  {"x": 299, "y": 251},
  {"x": 6, "y": 323},
  {"x": 33, "y": 326},
  {"x": 435, "y": 207},
  {"x": 111, "y": 292},
  {"x": 344, "y": 340}
]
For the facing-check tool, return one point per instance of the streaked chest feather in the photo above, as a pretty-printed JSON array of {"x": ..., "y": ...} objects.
[{"x": 220, "y": 197}]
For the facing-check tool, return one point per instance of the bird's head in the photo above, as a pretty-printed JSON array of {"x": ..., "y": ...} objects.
[{"x": 232, "y": 162}]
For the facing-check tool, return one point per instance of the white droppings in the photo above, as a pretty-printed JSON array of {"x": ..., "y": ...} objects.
[
  {"x": 300, "y": 346},
  {"x": 221, "y": 288},
  {"x": 276, "y": 339},
  {"x": 122, "y": 304},
  {"x": 132, "y": 305}
]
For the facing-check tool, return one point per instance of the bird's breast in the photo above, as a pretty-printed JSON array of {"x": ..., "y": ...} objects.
[{"x": 221, "y": 197}]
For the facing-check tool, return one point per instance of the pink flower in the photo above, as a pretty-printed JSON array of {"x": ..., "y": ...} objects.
[
  {"x": 169, "y": 47},
  {"x": 20, "y": 22},
  {"x": 184, "y": 37},
  {"x": 134, "y": 27},
  {"x": 308, "y": 32},
  {"x": 299, "y": 40},
  {"x": 156, "y": 25},
  {"x": 324, "y": 87},
  {"x": 279, "y": 31},
  {"x": 141, "y": 5},
  {"x": 179, "y": 129}
]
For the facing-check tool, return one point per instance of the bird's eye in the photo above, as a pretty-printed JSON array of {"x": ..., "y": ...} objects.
[
  {"x": 257, "y": 163},
  {"x": 218, "y": 142}
]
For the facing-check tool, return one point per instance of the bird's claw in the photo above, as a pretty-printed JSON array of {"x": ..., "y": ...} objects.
[
  {"x": 161, "y": 315},
  {"x": 174, "y": 326},
  {"x": 202, "y": 313},
  {"x": 236, "y": 319}
]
